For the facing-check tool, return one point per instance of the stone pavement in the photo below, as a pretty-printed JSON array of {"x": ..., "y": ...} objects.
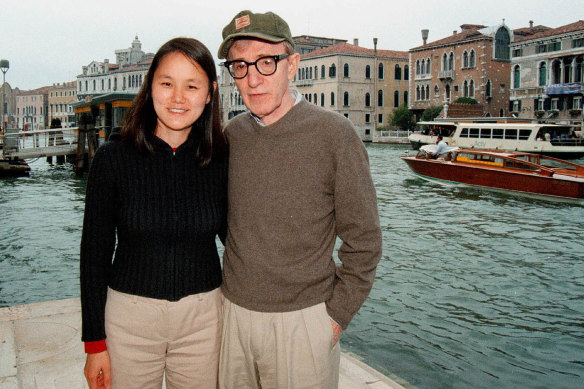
[{"x": 40, "y": 348}]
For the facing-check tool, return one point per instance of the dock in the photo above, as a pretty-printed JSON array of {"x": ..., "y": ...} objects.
[{"x": 41, "y": 348}]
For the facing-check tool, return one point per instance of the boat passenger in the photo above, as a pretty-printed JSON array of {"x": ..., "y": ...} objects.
[
  {"x": 442, "y": 148},
  {"x": 156, "y": 200}
]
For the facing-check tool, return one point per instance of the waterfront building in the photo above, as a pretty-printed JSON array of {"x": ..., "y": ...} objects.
[
  {"x": 304, "y": 44},
  {"x": 125, "y": 76},
  {"x": 547, "y": 72},
  {"x": 61, "y": 99},
  {"x": 32, "y": 109},
  {"x": 364, "y": 85},
  {"x": 474, "y": 63},
  {"x": 9, "y": 110}
]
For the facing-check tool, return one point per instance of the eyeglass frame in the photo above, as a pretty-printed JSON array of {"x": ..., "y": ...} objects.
[{"x": 276, "y": 58}]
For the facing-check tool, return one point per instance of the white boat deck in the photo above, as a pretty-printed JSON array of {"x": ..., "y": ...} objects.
[{"x": 40, "y": 348}]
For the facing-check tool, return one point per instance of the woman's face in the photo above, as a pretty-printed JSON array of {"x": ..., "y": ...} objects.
[{"x": 180, "y": 91}]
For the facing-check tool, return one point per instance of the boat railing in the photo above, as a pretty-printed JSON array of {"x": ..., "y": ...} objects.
[
  {"x": 567, "y": 142},
  {"x": 394, "y": 133}
]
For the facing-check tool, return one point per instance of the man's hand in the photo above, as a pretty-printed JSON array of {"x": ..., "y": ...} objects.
[
  {"x": 337, "y": 331},
  {"x": 97, "y": 371}
]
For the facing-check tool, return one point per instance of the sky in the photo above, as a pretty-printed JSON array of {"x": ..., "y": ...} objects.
[{"x": 48, "y": 41}]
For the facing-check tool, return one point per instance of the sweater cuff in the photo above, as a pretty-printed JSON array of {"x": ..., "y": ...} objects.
[{"x": 95, "y": 347}]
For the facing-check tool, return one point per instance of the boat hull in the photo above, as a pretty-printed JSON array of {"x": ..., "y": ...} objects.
[
  {"x": 490, "y": 178},
  {"x": 13, "y": 168}
]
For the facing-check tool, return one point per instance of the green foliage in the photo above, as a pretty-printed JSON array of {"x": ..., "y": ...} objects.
[
  {"x": 430, "y": 113},
  {"x": 402, "y": 117},
  {"x": 465, "y": 100}
]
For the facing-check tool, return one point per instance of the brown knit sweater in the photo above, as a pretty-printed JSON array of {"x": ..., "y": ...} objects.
[{"x": 294, "y": 186}]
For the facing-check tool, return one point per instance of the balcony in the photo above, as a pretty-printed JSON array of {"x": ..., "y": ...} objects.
[
  {"x": 304, "y": 82},
  {"x": 446, "y": 75}
]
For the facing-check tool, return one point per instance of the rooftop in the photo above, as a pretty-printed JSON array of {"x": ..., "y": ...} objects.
[{"x": 349, "y": 49}]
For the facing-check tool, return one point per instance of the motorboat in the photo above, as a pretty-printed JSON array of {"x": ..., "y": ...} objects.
[
  {"x": 554, "y": 140},
  {"x": 526, "y": 173},
  {"x": 13, "y": 167}
]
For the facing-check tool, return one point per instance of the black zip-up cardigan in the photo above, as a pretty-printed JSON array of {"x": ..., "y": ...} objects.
[{"x": 165, "y": 211}]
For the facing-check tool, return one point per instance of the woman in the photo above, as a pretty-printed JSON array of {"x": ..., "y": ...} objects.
[{"x": 155, "y": 203}]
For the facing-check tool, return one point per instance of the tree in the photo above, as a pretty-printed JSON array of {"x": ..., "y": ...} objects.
[
  {"x": 431, "y": 113},
  {"x": 402, "y": 117}
]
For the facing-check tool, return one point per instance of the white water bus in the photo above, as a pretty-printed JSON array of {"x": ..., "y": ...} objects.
[{"x": 560, "y": 141}]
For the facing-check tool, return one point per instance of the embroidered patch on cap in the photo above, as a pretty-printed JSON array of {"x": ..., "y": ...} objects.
[{"x": 242, "y": 22}]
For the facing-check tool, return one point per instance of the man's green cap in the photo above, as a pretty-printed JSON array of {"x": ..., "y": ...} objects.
[{"x": 246, "y": 24}]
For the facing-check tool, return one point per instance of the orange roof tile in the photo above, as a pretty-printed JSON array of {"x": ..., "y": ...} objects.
[
  {"x": 349, "y": 49},
  {"x": 576, "y": 26}
]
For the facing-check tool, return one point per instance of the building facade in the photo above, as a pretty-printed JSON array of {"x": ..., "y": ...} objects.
[
  {"x": 61, "y": 99},
  {"x": 474, "y": 63},
  {"x": 126, "y": 76},
  {"x": 8, "y": 112},
  {"x": 547, "y": 75},
  {"x": 364, "y": 85},
  {"x": 32, "y": 109}
]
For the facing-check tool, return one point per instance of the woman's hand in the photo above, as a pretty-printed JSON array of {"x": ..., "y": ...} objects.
[
  {"x": 97, "y": 370},
  {"x": 337, "y": 331}
]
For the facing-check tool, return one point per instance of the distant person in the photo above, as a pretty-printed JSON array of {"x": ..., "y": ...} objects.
[
  {"x": 441, "y": 149},
  {"x": 156, "y": 200},
  {"x": 298, "y": 178}
]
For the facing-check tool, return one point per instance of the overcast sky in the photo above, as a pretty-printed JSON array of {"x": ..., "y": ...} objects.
[{"x": 48, "y": 41}]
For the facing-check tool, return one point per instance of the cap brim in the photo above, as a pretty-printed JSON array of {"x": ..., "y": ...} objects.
[{"x": 227, "y": 42}]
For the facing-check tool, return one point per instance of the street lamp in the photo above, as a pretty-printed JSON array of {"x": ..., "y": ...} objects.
[{"x": 4, "y": 66}]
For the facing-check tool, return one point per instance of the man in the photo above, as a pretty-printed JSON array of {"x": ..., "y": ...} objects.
[
  {"x": 441, "y": 147},
  {"x": 298, "y": 178}
]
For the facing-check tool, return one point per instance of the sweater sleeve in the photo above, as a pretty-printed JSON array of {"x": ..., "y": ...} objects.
[
  {"x": 357, "y": 224},
  {"x": 97, "y": 245}
]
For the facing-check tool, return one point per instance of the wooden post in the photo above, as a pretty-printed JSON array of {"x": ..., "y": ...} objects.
[{"x": 86, "y": 130}]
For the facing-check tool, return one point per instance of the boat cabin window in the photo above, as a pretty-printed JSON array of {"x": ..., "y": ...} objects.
[
  {"x": 498, "y": 133},
  {"x": 510, "y": 134},
  {"x": 482, "y": 159},
  {"x": 524, "y": 134},
  {"x": 464, "y": 133},
  {"x": 474, "y": 133},
  {"x": 485, "y": 132},
  {"x": 520, "y": 165}
]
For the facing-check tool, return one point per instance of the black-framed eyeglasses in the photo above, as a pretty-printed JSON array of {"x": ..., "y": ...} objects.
[{"x": 266, "y": 66}]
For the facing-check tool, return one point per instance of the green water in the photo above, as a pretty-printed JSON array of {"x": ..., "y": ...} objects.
[{"x": 475, "y": 289}]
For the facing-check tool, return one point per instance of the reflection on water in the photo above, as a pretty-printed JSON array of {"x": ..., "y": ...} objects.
[{"x": 475, "y": 289}]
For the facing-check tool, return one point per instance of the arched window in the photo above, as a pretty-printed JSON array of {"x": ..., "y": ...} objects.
[
  {"x": 428, "y": 66},
  {"x": 315, "y": 98},
  {"x": 427, "y": 92},
  {"x": 471, "y": 89},
  {"x": 465, "y": 59},
  {"x": 406, "y": 73},
  {"x": 316, "y": 72},
  {"x": 322, "y": 72},
  {"x": 502, "y": 40},
  {"x": 380, "y": 71},
  {"x": 332, "y": 98},
  {"x": 346, "y": 99},
  {"x": 445, "y": 61},
  {"x": 405, "y": 97},
  {"x": 310, "y": 77},
  {"x": 346, "y": 70},
  {"x": 322, "y": 99},
  {"x": 436, "y": 91},
  {"x": 489, "y": 89},
  {"x": 451, "y": 61},
  {"x": 423, "y": 93},
  {"x": 423, "y": 66},
  {"x": 93, "y": 84},
  {"x": 465, "y": 89},
  {"x": 579, "y": 69},
  {"x": 303, "y": 76},
  {"x": 367, "y": 100},
  {"x": 556, "y": 72},
  {"x": 418, "y": 93},
  {"x": 398, "y": 72},
  {"x": 417, "y": 66},
  {"x": 447, "y": 92},
  {"x": 332, "y": 71},
  {"x": 396, "y": 99},
  {"x": 472, "y": 59},
  {"x": 516, "y": 76},
  {"x": 380, "y": 98},
  {"x": 367, "y": 71}
]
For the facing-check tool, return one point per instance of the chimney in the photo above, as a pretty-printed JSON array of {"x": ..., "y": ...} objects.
[
  {"x": 84, "y": 69},
  {"x": 106, "y": 65},
  {"x": 454, "y": 32},
  {"x": 531, "y": 24},
  {"x": 425, "y": 35},
  {"x": 375, "y": 45},
  {"x": 356, "y": 41}
]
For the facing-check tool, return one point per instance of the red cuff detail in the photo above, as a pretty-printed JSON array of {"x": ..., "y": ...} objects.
[{"x": 95, "y": 347}]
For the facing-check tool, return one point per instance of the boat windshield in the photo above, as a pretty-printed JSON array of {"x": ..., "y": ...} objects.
[{"x": 560, "y": 135}]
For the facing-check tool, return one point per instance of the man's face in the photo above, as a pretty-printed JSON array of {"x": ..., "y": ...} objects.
[{"x": 267, "y": 97}]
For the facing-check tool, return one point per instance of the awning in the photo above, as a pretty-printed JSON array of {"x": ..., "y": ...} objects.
[{"x": 564, "y": 89}]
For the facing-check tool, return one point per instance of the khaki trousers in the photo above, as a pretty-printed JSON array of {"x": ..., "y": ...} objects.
[
  {"x": 282, "y": 350},
  {"x": 148, "y": 338}
]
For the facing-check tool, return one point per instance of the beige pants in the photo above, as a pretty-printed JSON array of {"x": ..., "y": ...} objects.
[
  {"x": 147, "y": 338},
  {"x": 283, "y": 350}
]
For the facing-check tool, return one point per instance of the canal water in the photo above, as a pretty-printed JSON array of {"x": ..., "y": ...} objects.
[{"x": 475, "y": 289}]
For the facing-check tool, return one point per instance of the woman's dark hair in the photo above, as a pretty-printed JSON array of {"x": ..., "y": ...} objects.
[{"x": 140, "y": 120}]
